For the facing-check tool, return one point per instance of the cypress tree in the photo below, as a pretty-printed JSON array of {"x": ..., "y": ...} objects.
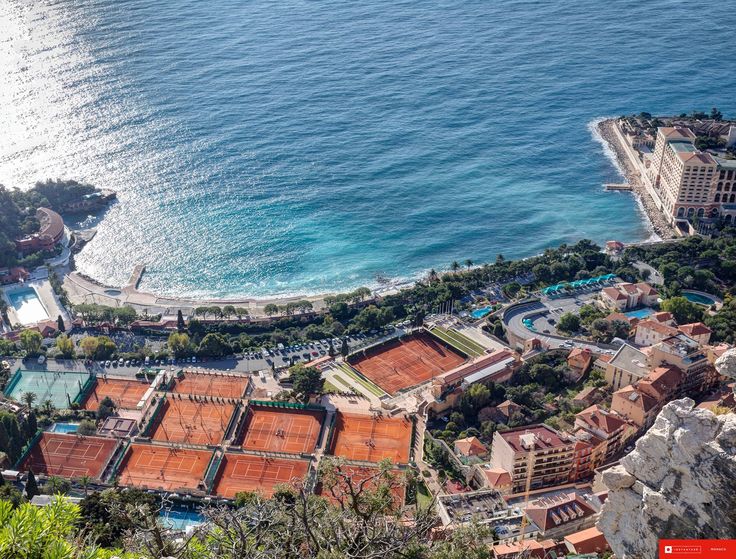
[
  {"x": 60, "y": 324},
  {"x": 31, "y": 486},
  {"x": 180, "y": 321}
]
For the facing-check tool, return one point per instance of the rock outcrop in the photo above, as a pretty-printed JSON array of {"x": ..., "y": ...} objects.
[{"x": 679, "y": 482}]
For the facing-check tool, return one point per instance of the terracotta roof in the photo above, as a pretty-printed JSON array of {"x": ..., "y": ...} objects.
[
  {"x": 614, "y": 293},
  {"x": 507, "y": 407},
  {"x": 544, "y": 437},
  {"x": 696, "y": 157},
  {"x": 658, "y": 327},
  {"x": 605, "y": 358},
  {"x": 579, "y": 357},
  {"x": 550, "y": 512},
  {"x": 661, "y": 382},
  {"x": 642, "y": 401},
  {"x": 695, "y": 329},
  {"x": 677, "y": 132},
  {"x": 470, "y": 446},
  {"x": 662, "y": 316},
  {"x": 591, "y": 540},
  {"x": 530, "y": 548},
  {"x": 646, "y": 289},
  {"x": 595, "y": 417},
  {"x": 497, "y": 477}
]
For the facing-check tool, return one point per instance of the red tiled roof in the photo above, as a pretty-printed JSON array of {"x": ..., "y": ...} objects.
[
  {"x": 643, "y": 401},
  {"x": 661, "y": 382},
  {"x": 497, "y": 477},
  {"x": 597, "y": 418},
  {"x": 470, "y": 446},
  {"x": 545, "y": 437},
  {"x": 695, "y": 329},
  {"x": 614, "y": 293},
  {"x": 591, "y": 540},
  {"x": 656, "y": 326},
  {"x": 662, "y": 316},
  {"x": 549, "y": 512}
]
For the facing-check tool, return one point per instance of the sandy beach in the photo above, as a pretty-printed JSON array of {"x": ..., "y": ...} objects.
[{"x": 606, "y": 129}]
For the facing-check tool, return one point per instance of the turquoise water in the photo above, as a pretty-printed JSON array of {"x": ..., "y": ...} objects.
[
  {"x": 27, "y": 305},
  {"x": 480, "y": 313},
  {"x": 296, "y": 147},
  {"x": 698, "y": 298},
  {"x": 641, "y": 314},
  {"x": 64, "y": 427},
  {"x": 180, "y": 519}
]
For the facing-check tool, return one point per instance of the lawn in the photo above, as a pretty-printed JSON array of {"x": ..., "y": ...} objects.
[
  {"x": 424, "y": 499},
  {"x": 369, "y": 386},
  {"x": 459, "y": 341}
]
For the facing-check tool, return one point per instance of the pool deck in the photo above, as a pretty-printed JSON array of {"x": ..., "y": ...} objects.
[{"x": 46, "y": 295}]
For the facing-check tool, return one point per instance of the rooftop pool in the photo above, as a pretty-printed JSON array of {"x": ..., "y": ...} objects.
[{"x": 27, "y": 305}]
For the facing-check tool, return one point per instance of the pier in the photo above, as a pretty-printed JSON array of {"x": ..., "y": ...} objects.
[
  {"x": 618, "y": 186},
  {"x": 135, "y": 277}
]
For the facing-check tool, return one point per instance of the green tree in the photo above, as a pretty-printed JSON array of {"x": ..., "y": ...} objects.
[
  {"x": 31, "y": 341},
  {"x": 683, "y": 311},
  {"x": 455, "y": 266},
  {"x": 28, "y": 398},
  {"x": 87, "y": 427},
  {"x": 89, "y": 345},
  {"x": 214, "y": 345},
  {"x": 271, "y": 309},
  {"x": 31, "y": 486},
  {"x": 568, "y": 323},
  {"x": 60, "y": 324},
  {"x": 477, "y": 396},
  {"x": 180, "y": 324},
  {"x": 228, "y": 311},
  {"x": 65, "y": 346},
  {"x": 306, "y": 381},
  {"x": 106, "y": 348},
  {"x": 106, "y": 408},
  {"x": 178, "y": 344},
  {"x": 344, "y": 348}
]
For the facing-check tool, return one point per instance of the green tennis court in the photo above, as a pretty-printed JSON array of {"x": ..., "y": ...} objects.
[{"x": 61, "y": 388}]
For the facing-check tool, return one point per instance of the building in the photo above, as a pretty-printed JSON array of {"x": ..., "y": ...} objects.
[
  {"x": 625, "y": 296},
  {"x": 579, "y": 362},
  {"x": 637, "y": 407},
  {"x": 494, "y": 478},
  {"x": 13, "y": 275},
  {"x": 627, "y": 366},
  {"x": 697, "y": 331},
  {"x": 688, "y": 356},
  {"x": 609, "y": 428},
  {"x": 548, "y": 453},
  {"x": 650, "y": 332},
  {"x": 531, "y": 549},
  {"x": 469, "y": 447},
  {"x": 590, "y": 540},
  {"x": 587, "y": 396},
  {"x": 561, "y": 514},
  {"x": 51, "y": 231},
  {"x": 689, "y": 182}
]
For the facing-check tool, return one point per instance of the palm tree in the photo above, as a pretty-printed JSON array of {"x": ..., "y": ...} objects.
[
  {"x": 455, "y": 266},
  {"x": 29, "y": 398},
  {"x": 432, "y": 275},
  {"x": 47, "y": 407},
  {"x": 468, "y": 263},
  {"x": 84, "y": 481}
]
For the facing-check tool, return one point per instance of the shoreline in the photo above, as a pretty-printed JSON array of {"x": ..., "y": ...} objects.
[
  {"x": 84, "y": 289},
  {"x": 662, "y": 229}
]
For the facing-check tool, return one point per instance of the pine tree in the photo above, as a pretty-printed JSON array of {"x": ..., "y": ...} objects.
[{"x": 31, "y": 486}]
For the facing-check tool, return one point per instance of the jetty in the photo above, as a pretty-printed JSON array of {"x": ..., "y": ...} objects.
[
  {"x": 618, "y": 186},
  {"x": 135, "y": 278}
]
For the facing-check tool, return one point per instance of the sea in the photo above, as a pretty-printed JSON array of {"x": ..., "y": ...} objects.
[{"x": 263, "y": 148}]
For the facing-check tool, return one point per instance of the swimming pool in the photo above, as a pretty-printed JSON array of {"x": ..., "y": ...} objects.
[
  {"x": 177, "y": 519},
  {"x": 641, "y": 314},
  {"x": 699, "y": 298},
  {"x": 64, "y": 427},
  {"x": 480, "y": 313},
  {"x": 27, "y": 305}
]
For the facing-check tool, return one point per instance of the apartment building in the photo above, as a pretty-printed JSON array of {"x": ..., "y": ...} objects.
[{"x": 549, "y": 453}]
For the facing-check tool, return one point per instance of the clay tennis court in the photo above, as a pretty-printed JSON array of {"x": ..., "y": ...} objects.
[
  {"x": 339, "y": 491},
  {"x": 125, "y": 393},
  {"x": 221, "y": 386},
  {"x": 191, "y": 422},
  {"x": 247, "y": 472},
  {"x": 282, "y": 430},
  {"x": 363, "y": 437},
  {"x": 69, "y": 456},
  {"x": 160, "y": 467},
  {"x": 412, "y": 360}
]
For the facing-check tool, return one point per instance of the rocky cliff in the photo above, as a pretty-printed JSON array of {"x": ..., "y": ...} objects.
[{"x": 679, "y": 482}]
